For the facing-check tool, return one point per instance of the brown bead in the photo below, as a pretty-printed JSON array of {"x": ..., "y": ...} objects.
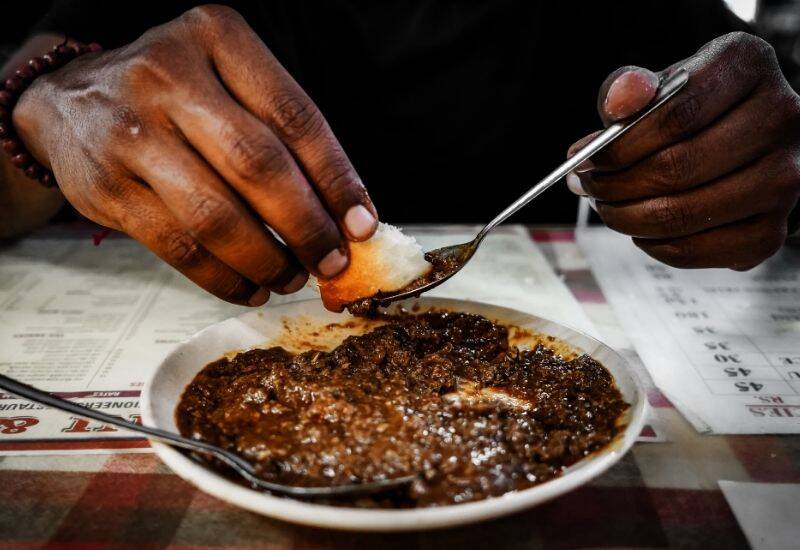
[
  {"x": 5, "y": 130},
  {"x": 34, "y": 171},
  {"x": 37, "y": 65},
  {"x": 7, "y": 99},
  {"x": 21, "y": 160},
  {"x": 11, "y": 146},
  {"x": 94, "y": 47},
  {"x": 52, "y": 60},
  {"x": 5, "y": 115},
  {"x": 47, "y": 179},
  {"x": 14, "y": 84},
  {"x": 67, "y": 52},
  {"x": 25, "y": 73}
]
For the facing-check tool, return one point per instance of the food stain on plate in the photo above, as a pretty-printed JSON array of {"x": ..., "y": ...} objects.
[{"x": 302, "y": 333}]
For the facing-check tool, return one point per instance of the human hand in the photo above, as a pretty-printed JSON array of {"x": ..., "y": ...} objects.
[
  {"x": 709, "y": 179},
  {"x": 196, "y": 141}
]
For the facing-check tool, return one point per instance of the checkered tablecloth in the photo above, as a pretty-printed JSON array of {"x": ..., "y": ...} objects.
[{"x": 660, "y": 495}]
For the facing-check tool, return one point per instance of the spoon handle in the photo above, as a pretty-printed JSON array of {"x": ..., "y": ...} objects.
[
  {"x": 669, "y": 87},
  {"x": 33, "y": 394}
]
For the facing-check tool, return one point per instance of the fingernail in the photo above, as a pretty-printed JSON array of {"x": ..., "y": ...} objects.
[
  {"x": 333, "y": 263},
  {"x": 586, "y": 166},
  {"x": 574, "y": 184},
  {"x": 295, "y": 284},
  {"x": 259, "y": 297},
  {"x": 360, "y": 222},
  {"x": 627, "y": 91}
]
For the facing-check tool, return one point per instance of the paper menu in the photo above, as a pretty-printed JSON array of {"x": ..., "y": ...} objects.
[
  {"x": 766, "y": 512},
  {"x": 724, "y": 346},
  {"x": 90, "y": 323}
]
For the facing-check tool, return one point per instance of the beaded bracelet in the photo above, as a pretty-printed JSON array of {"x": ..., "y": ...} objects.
[{"x": 59, "y": 56}]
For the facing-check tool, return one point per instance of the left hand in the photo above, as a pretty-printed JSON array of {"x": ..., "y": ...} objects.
[{"x": 709, "y": 179}]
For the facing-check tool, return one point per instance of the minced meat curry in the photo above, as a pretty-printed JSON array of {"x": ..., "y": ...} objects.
[{"x": 443, "y": 395}]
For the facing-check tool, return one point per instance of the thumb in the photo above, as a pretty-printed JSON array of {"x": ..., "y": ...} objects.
[{"x": 625, "y": 92}]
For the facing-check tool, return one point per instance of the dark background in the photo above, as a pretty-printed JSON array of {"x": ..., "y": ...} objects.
[{"x": 450, "y": 110}]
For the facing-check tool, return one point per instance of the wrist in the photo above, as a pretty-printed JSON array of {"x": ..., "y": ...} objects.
[
  {"x": 10, "y": 95},
  {"x": 30, "y": 119}
]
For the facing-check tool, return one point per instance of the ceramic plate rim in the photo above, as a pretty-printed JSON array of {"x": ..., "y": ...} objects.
[{"x": 341, "y": 518}]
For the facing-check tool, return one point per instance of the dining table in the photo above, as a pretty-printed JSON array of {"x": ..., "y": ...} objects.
[{"x": 663, "y": 493}]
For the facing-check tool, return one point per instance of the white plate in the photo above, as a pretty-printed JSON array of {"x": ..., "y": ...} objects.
[{"x": 260, "y": 328}]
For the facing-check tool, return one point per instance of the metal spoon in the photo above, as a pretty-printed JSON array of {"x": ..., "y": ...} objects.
[
  {"x": 457, "y": 256},
  {"x": 238, "y": 464}
]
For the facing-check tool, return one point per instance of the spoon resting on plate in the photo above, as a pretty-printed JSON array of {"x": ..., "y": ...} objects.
[
  {"x": 449, "y": 260},
  {"x": 235, "y": 462}
]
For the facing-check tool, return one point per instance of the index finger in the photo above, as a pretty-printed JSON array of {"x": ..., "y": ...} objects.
[
  {"x": 721, "y": 74},
  {"x": 259, "y": 82}
]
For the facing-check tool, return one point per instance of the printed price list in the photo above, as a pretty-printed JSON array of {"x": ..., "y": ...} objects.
[
  {"x": 705, "y": 321},
  {"x": 724, "y": 346}
]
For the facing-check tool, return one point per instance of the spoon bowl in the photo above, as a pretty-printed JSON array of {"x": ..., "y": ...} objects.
[{"x": 447, "y": 261}]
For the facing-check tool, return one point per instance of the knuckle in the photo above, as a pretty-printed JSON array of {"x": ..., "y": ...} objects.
[
  {"x": 789, "y": 113},
  {"x": 668, "y": 216},
  {"x": 599, "y": 187},
  {"x": 671, "y": 166},
  {"x": 612, "y": 157},
  {"x": 126, "y": 124},
  {"x": 680, "y": 116},
  {"x": 296, "y": 117},
  {"x": 617, "y": 219},
  {"x": 275, "y": 274},
  {"x": 738, "y": 40},
  {"x": 680, "y": 255},
  {"x": 232, "y": 289},
  {"x": 785, "y": 176},
  {"x": 748, "y": 263},
  {"x": 766, "y": 243},
  {"x": 316, "y": 236},
  {"x": 749, "y": 46},
  {"x": 778, "y": 181},
  {"x": 213, "y": 16},
  {"x": 745, "y": 266},
  {"x": 792, "y": 171},
  {"x": 210, "y": 217},
  {"x": 255, "y": 159},
  {"x": 152, "y": 65},
  {"x": 338, "y": 178},
  {"x": 774, "y": 239},
  {"x": 749, "y": 56},
  {"x": 183, "y": 251}
]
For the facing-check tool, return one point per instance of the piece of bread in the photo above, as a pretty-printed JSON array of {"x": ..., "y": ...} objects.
[{"x": 387, "y": 261}]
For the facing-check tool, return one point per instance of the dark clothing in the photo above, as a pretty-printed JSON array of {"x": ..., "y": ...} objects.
[{"x": 448, "y": 110}]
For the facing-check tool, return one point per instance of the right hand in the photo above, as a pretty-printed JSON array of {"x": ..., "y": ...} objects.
[{"x": 193, "y": 139}]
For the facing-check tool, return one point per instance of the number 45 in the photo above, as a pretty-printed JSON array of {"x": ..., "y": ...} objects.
[{"x": 747, "y": 386}]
